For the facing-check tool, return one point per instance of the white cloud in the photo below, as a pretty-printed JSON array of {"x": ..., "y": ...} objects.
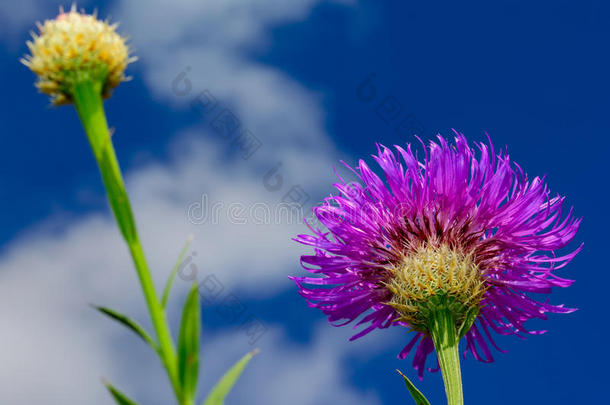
[
  {"x": 52, "y": 340},
  {"x": 212, "y": 40},
  {"x": 54, "y": 347},
  {"x": 288, "y": 373}
]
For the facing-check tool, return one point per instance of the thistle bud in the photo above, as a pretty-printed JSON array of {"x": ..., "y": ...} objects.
[{"x": 75, "y": 47}]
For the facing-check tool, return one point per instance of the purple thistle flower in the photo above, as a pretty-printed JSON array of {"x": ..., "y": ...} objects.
[{"x": 475, "y": 230}]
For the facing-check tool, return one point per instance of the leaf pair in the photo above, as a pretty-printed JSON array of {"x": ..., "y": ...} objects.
[
  {"x": 217, "y": 395},
  {"x": 188, "y": 347},
  {"x": 119, "y": 397}
]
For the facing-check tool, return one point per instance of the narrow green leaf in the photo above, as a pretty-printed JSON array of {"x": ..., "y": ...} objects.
[
  {"x": 131, "y": 324},
  {"x": 418, "y": 397},
  {"x": 224, "y": 385},
  {"x": 188, "y": 344},
  {"x": 172, "y": 276},
  {"x": 120, "y": 398}
]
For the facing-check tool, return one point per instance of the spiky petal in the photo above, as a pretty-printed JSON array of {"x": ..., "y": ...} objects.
[{"x": 480, "y": 205}]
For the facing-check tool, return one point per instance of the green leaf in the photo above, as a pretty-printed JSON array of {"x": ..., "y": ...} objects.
[
  {"x": 188, "y": 344},
  {"x": 224, "y": 385},
  {"x": 418, "y": 397},
  {"x": 131, "y": 324},
  {"x": 172, "y": 276},
  {"x": 120, "y": 398}
]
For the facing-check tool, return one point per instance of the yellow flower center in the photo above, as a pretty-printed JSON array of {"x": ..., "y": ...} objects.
[{"x": 431, "y": 276}]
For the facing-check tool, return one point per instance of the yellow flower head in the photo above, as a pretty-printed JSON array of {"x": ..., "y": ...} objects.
[
  {"x": 75, "y": 47},
  {"x": 435, "y": 271}
]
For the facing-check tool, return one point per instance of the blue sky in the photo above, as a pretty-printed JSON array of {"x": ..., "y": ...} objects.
[{"x": 313, "y": 81}]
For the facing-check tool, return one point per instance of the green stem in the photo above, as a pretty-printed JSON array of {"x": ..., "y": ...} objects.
[
  {"x": 89, "y": 104},
  {"x": 446, "y": 342}
]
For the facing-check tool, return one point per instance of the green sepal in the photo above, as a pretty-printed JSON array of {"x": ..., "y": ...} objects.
[
  {"x": 470, "y": 317},
  {"x": 119, "y": 397},
  {"x": 172, "y": 276},
  {"x": 188, "y": 344},
  {"x": 129, "y": 323},
  {"x": 223, "y": 386},
  {"x": 418, "y": 397}
]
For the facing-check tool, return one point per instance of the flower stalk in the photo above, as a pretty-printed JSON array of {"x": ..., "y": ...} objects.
[
  {"x": 87, "y": 96},
  {"x": 79, "y": 60},
  {"x": 445, "y": 336}
]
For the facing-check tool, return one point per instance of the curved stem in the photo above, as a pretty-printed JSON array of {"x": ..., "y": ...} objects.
[
  {"x": 88, "y": 102},
  {"x": 446, "y": 342}
]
